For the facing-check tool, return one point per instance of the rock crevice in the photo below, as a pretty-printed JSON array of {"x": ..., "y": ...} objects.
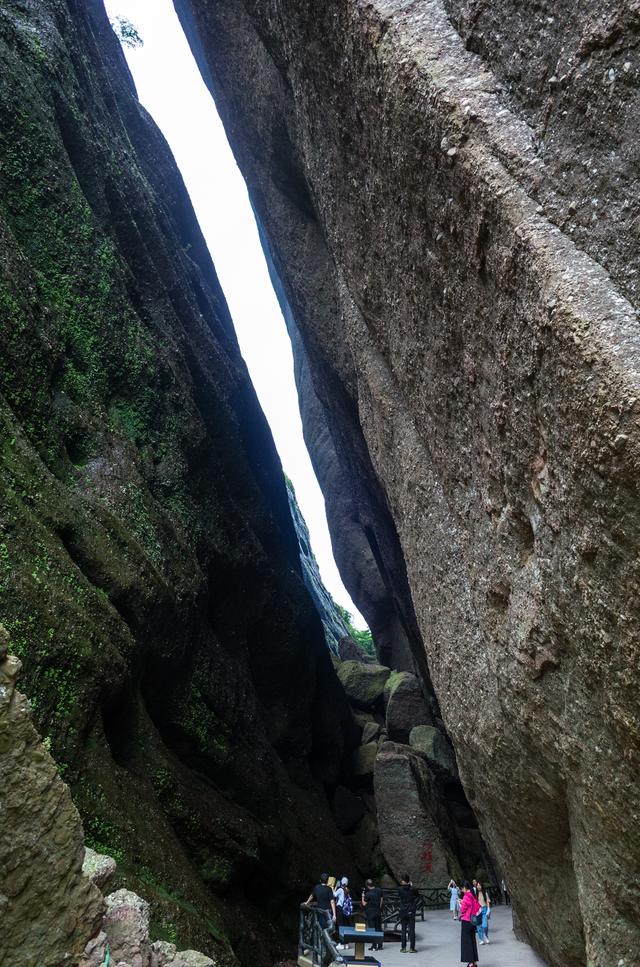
[{"x": 468, "y": 364}]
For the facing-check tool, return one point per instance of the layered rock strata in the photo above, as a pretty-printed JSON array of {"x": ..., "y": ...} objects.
[
  {"x": 456, "y": 252},
  {"x": 148, "y": 564}
]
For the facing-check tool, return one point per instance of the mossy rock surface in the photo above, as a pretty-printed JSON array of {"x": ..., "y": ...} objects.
[
  {"x": 364, "y": 684},
  {"x": 149, "y": 570},
  {"x": 365, "y": 759},
  {"x": 435, "y": 746}
]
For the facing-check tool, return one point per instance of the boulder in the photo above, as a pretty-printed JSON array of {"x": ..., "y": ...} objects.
[
  {"x": 98, "y": 867},
  {"x": 163, "y": 953},
  {"x": 435, "y": 746},
  {"x": 410, "y": 818},
  {"x": 350, "y": 650},
  {"x": 49, "y": 909},
  {"x": 365, "y": 759},
  {"x": 361, "y": 718},
  {"x": 405, "y": 705},
  {"x": 126, "y": 924},
  {"x": 363, "y": 684},
  {"x": 348, "y": 809},
  {"x": 191, "y": 958},
  {"x": 370, "y": 732}
]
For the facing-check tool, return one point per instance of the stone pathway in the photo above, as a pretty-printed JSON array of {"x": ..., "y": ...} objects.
[{"x": 438, "y": 943}]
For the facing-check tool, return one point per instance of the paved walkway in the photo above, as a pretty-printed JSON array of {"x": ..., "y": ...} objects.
[{"x": 438, "y": 943}]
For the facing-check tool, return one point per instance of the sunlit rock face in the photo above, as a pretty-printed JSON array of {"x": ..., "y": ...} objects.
[
  {"x": 149, "y": 569},
  {"x": 450, "y": 206},
  {"x": 333, "y": 622}
]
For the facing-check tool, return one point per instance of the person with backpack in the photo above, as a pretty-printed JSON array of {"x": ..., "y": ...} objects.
[
  {"x": 344, "y": 906},
  {"x": 469, "y": 913},
  {"x": 408, "y": 899}
]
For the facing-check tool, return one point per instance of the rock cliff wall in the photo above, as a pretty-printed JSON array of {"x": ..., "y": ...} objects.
[
  {"x": 148, "y": 563},
  {"x": 455, "y": 235},
  {"x": 49, "y": 909},
  {"x": 334, "y": 624}
]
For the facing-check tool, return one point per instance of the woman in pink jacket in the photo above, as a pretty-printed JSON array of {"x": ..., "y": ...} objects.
[{"x": 469, "y": 907}]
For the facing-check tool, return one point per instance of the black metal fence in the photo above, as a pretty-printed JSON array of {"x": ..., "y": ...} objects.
[
  {"x": 430, "y": 898},
  {"x": 317, "y": 935},
  {"x": 314, "y": 937}
]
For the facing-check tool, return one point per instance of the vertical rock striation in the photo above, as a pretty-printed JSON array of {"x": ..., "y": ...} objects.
[
  {"x": 148, "y": 564},
  {"x": 455, "y": 237},
  {"x": 333, "y": 622}
]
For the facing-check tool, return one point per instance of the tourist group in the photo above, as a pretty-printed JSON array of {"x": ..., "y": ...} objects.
[
  {"x": 470, "y": 903},
  {"x": 333, "y": 898}
]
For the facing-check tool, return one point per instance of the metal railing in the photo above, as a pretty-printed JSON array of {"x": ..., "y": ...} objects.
[
  {"x": 431, "y": 898},
  {"x": 316, "y": 931},
  {"x": 315, "y": 937}
]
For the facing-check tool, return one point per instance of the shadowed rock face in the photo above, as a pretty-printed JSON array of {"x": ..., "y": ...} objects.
[
  {"x": 458, "y": 253},
  {"x": 148, "y": 564}
]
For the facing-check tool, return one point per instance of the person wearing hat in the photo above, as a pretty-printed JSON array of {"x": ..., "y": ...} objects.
[{"x": 344, "y": 905}]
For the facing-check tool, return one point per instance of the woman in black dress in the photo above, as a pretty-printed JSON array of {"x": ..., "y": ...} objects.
[{"x": 469, "y": 907}]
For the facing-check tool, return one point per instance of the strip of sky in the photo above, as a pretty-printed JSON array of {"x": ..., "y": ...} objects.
[{"x": 170, "y": 87}]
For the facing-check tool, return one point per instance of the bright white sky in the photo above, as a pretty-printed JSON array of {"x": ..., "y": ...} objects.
[{"x": 171, "y": 88}]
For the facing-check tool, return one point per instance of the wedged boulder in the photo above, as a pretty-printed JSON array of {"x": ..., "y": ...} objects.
[
  {"x": 98, "y": 867},
  {"x": 365, "y": 759},
  {"x": 348, "y": 809},
  {"x": 49, "y": 909},
  {"x": 405, "y": 705},
  {"x": 434, "y": 744},
  {"x": 364, "y": 684},
  {"x": 350, "y": 650},
  {"x": 410, "y": 817}
]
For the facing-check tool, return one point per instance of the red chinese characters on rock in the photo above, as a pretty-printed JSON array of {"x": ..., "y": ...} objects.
[{"x": 427, "y": 858}]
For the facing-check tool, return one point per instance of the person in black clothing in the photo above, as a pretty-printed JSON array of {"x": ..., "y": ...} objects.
[
  {"x": 322, "y": 896},
  {"x": 372, "y": 905},
  {"x": 408, "y": 899}
]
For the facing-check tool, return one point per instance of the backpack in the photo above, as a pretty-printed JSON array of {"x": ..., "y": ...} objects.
[{"x": 347, "y": 906}]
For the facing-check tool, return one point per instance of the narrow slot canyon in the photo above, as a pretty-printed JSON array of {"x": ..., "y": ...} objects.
[{"x": 384, "y": 373}]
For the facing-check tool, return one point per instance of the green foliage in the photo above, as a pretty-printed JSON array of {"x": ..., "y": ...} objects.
[
  {"x": 364, "y": 638},
  {"x": 126, "y": 33}
]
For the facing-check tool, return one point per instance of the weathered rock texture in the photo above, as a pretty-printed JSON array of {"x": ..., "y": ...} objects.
[
  {"x": 148, "y": 564},
  {"x": 49, "y": 909},
  {"x": 455, "y": 239},
  {"x": 335, "y": 626},
  {"x": 410, "y": 822},
  {"x": 125, "y": 937}
]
